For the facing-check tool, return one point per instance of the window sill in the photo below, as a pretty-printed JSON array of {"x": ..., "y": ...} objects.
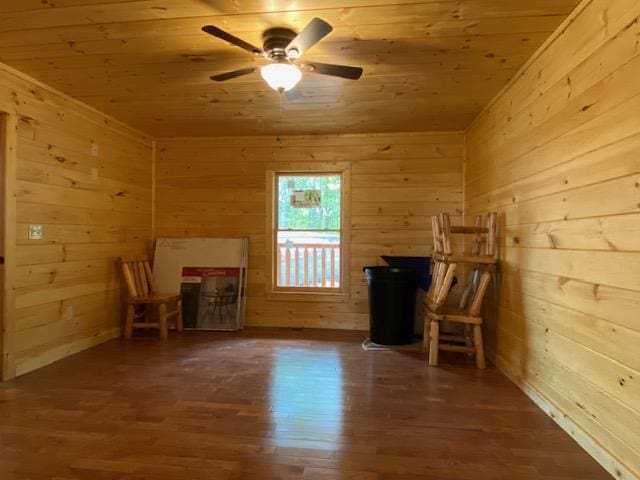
[{"x": 283, "y": 296}]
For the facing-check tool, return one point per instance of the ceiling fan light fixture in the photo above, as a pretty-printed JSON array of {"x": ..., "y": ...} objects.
[{"x": 281, "y": 76}]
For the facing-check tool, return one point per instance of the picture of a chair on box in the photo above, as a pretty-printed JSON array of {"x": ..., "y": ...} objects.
[{"x": 218, "y": 302}]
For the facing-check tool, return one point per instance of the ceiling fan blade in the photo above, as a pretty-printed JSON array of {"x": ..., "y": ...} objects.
[
  {"x": 236, "y": 73},
  {"x": 216, "y": 32},
  {"x": 343, "y": 71},
  {"x": 315, "y": 31}
]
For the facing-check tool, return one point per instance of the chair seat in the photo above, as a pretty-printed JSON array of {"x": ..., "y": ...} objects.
[{"x": 155, "y": 298}]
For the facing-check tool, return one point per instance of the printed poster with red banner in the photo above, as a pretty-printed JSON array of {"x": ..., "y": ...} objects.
[
  {"x": 211, "y": 276},
  {"x": 210, "y": 297}
]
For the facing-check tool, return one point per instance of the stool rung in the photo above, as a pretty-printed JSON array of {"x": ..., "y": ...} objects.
[{"x": 468, "y": 229}]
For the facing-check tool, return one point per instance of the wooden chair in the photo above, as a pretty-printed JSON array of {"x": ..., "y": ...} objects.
[
  {"x": 468, "y": 313},
  {"x": 481, "y": 260},
  {"x": 141, "y": 288}
]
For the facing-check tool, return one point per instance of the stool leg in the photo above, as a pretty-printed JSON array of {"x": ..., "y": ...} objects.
[
  {"x": 179, "y": 316},
  {"x": 434, "y": 336},
  {"x": 162, "y": 314},
  {"x": 128, "y": 326},
  {"x": 477, "y": 340}
]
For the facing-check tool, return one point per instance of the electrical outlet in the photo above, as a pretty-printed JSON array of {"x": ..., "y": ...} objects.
[
  {"x": 94, "y": 149},
  {"x": 94, "y": 173},
  {"x": 35, "y": 232},
  {"x": 69, "y": 312}
]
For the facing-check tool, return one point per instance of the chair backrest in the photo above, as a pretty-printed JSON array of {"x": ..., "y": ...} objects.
[
  {"x": 475, "y": 291},
  {"x": 137, "y": 275},
  {"x": 441, "y": 281}
]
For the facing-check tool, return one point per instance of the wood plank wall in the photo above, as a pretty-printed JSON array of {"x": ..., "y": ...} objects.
[
  {"x": 66, "y": 285},
  {"x": 558, "y": 155},
  {"x": 216, "y": 186}
]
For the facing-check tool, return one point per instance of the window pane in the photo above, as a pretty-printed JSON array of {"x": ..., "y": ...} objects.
[
  {"x": 299, "y": 207},
  {"x": 308, "y": 259}
]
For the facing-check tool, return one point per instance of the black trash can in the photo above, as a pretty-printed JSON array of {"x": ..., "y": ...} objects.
[
  {"x": 421, "y": 266},
  {"x": 392, "y": 301}
]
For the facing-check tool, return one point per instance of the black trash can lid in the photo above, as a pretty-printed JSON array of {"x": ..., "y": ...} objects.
[
  {"x": 384, "y": 268},
  {"x": 389, "y": 272}
]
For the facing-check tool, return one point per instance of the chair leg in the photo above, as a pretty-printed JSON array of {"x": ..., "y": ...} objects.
[
  {"x": 179, "y": 315},
  {"x": 477, "y": 340},
  {"x": 128, "y": 327},
  {"x": 162, "y": 317},
  {"x": 468, "y": 336},
  {"x": 425, "y": 334},
  {"x": 434, "y": 340}
]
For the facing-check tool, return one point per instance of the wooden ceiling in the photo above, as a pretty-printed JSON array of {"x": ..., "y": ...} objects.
[{"x": 429, "y": 65}]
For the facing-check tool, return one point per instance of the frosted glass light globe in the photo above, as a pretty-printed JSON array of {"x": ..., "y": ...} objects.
[{"x": 281, "y": 76}]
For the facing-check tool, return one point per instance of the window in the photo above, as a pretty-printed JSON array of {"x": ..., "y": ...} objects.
[{"x": 308, "y": 231}]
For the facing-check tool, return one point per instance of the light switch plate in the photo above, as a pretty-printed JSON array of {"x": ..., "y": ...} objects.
[
  {"x": 94, "y": 173},
  {"x": 94, "y": 149},
  {"x": 35, "y": 232}
]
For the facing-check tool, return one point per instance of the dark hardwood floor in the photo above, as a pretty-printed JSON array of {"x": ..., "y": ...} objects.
[{"x": 274, "y": 404}]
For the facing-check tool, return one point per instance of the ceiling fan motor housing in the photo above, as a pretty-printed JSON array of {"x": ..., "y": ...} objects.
[{"x": 275, "y": 41}]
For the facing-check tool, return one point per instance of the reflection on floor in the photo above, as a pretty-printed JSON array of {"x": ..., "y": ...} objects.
[
  {"x": 274, "y": 404},
  {"x": 307, "y": 396}
]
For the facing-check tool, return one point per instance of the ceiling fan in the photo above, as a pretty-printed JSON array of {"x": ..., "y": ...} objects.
[{"x": 283, "y": 47}]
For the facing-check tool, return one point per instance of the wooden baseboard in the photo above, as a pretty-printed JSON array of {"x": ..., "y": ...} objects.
[
  {"x": 63, "y": 351},
  {"x": 601, "y": 455}
]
